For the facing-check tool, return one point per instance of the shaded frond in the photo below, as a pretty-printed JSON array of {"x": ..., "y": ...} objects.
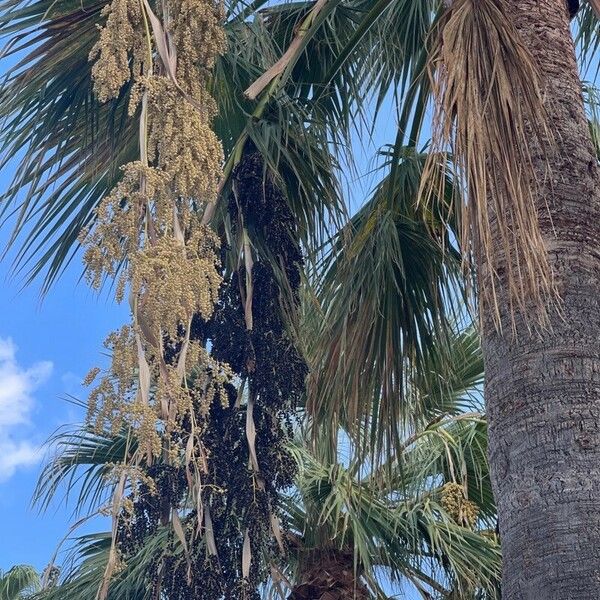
[
  {"x": 83, "y": 461},
  {"x": 402, "y": 528},
  {"x": 87, "y": 561}
]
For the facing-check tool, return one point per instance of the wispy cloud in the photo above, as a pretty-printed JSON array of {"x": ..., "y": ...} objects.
[{"x": 17, "y": 385}]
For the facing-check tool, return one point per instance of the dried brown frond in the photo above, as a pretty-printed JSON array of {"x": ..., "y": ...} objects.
[{"x": 490, "y": 115}]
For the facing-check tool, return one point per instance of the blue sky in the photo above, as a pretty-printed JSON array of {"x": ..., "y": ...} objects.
[{"x": 46, "y": 348}]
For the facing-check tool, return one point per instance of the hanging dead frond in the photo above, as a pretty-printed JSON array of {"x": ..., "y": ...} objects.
[{"x": 489, "y": 114}]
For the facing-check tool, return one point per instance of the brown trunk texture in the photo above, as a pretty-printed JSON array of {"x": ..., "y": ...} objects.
[
  {"x": 330, "y": 577},
  {"x": 543, "y": 391}
]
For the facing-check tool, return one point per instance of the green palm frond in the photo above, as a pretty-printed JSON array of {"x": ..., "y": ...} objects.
[
  {"x": 66, "y": 148},
  {"x": 402, "y": 527},
  {"x": 396, "y": 526},
  {"x": 450, "y": 380},
  {"x": 294, "y": 137},
  {"x": 83, "y": 461},
  {"x": 591, "y": 95},
  {"x": 391, "y": 517},
  {"x": 83, "y": 464},
  {"x": 386, "y": 297},
  {"x": 387, "y": 54},
  {"x": 18, "y": 583},
  {"x": 87, "y": 562},
  {"x": 453, "y": 449},
  {"x": 362, "y": 50},
  {"x": 588, "y": 33}
]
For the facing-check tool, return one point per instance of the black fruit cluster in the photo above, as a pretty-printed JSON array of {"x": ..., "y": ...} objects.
[{"x": 266, "y": 358}]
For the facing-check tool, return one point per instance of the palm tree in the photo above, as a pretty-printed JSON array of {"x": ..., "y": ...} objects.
[
  {"x": 267, "y": 143},
  {"x": 539, "y": 382},
  {"x": 539, "y": 388},
  {"x": 19, "y": 582},
  {"x": 352, "y": 537},
  {"x": 251, "y": 418},
  {"x": 521, "y": 141},
  {"x": 543, "y": 448}
]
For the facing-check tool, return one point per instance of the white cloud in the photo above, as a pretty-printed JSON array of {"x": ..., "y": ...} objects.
[{"x": 17, "y": 385}]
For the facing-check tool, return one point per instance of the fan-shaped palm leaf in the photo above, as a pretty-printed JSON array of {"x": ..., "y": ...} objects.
[
  {"x": 401, "y": 531},
  {"x": 83, "y": 461},
  {"x": 66, "y": 148},
  {"x": 588, "y": 30}
]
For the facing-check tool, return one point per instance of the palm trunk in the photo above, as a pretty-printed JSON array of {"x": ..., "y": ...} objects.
[
  {"x": 330, "y": 576},
  {"x": 543, "y": 392}
]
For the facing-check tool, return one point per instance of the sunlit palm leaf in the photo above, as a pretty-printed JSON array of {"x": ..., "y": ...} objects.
[
  {"x": 73, "y": 147},
  {"x": 87, "y": 562},
  {"x": 402, "y": 529},
  {"x": 66, "y": 148}
]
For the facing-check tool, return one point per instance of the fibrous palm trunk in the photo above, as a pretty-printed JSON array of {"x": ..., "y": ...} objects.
[
  {"x": 543, "y": 391},
  {"x": 331, "y": 576}
]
